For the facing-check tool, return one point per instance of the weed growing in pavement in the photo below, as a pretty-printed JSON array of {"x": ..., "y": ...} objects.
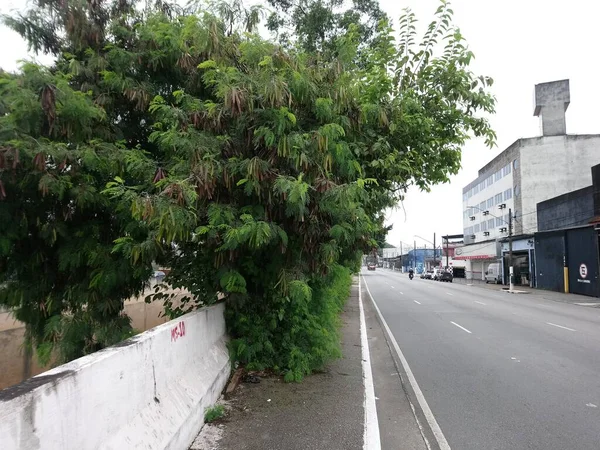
[{"x": 213, "y": 413}]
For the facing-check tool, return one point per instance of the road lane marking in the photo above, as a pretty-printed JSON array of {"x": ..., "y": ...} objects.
[
  {"x": 560, "y": 326},
  {"x": 451, "y": 295},
  {"x": 591, "y": 405},
  {"x": 418, "y": 303},
  {"x": 435, "y": 428},
  {"x": 481, "y": 303},
  {"x": 371, "y": 438},
  {"x": 392, "y": 287},
  {"x": 401, "y": 293},
  {"x": 462, "y": 328}
]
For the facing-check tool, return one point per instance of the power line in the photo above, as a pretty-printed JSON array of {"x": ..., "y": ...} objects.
[{"x": 575, "y": 222}]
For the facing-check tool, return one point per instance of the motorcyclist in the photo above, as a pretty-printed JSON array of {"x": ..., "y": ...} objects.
[{"x": 411, "y": 274}]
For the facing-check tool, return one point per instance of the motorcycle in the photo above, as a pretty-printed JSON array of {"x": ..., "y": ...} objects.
[{"x": 410, "y": 275}]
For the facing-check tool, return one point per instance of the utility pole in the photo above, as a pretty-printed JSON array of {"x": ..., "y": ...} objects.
[
  {"x": 447, "y": 251},
  {"x": 415, "y": 254},
  {"x": 510, "y": 255},
  {"x": 401, "y": 258},
  {"x": 434, "y": 249}
]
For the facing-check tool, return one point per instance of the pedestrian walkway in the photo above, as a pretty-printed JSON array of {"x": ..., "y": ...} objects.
[
  {"x": 581, "y": 300},
  {"x": 326, "y": 410}
]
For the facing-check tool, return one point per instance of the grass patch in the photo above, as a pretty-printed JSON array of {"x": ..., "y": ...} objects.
[{"x": 213, "y": 413}]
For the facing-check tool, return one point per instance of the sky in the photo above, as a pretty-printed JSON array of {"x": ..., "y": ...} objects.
[{"x": 517, "y": 43}]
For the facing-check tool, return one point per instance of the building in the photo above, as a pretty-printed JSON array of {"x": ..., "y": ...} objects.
[
  {"x": 567, "y": 256},
  {"x": 528, "y": 172},
  {"x": 422, "y": 259}
]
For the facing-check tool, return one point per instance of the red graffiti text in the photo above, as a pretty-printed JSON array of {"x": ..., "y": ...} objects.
[{"x": 178, "y": 331}]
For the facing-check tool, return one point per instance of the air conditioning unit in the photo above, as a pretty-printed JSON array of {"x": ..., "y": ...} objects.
[
  {"x": 473, "y": 236},
  {"x": 472, "y": 218},
  {"x": 502, "y": 206},
  {"x": 486, "y": 233},
  {"x": 486, "y": 213},
  {"x": 503, "y": 230}
]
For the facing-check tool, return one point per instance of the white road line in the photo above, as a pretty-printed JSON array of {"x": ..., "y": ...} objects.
[
  {"x": 401, "y": 293},
  {"x": 481, "y": 303},
  {"x": 451, "y": 295},
  {"x": 462, "y": 328},
  {"x": 435, "y": 428},
  {"x": 560, "y": 326},
  {"x": 393, "y": 287},
  {"x": 371, "y": 438},
  {"x": 418, "y": 303}
]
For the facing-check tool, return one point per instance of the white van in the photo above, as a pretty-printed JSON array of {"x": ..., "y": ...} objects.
[{"x": 493, "y": 274}]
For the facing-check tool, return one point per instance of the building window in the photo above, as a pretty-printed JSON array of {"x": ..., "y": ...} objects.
[
  {"x": 508, "y": 194},
  {"x": 506, "y": 218},
  {"x": 490, "y": 203},
  {"x": 499, "y": 221},
  {"x": 516, "y": 164},
  {"x": 506, "y": 170},
  {"x": 482, "y": 206},
  {"x": 498, "y": 198},
  {"x": 476, "y": 189},
  {"x": 498, "y": 175},
  {"x": 491, "y": 224},
  {"x": 470, "y": 230},
  {"x": 484, "y": 226},
  {"x": 476, "y": 228},
  {"x": 490, "y": 180},
  {"x": 516, "y": 191},
  {"x": 470, "y": 193}
]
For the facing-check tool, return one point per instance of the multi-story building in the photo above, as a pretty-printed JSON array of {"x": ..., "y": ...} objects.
[{"x": 529, "y": 171}]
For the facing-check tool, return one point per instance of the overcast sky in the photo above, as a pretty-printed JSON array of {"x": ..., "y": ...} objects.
[{"x": 518, "y": 43}]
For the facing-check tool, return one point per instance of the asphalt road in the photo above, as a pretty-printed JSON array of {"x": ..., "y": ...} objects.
[{"x": 499, "y": 371}]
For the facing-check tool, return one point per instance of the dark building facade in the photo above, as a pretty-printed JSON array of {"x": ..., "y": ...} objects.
[{"x": 567, "y": 252}]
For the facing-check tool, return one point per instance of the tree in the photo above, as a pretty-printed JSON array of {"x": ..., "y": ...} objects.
[
  {"x": 57, "y": 270},
  {"x": 317, "y": 24},
  {"x": 263, "y": 172}
]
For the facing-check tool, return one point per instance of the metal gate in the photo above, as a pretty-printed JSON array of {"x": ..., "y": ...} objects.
[
  {"x": 549, "y": 261},
  {"x": 582, "y": 257}
]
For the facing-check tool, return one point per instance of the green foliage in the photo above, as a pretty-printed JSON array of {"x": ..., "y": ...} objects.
[
  {"x": 293, "y": 329},
  {"x": 317, "y": 25},
  {"x": 213, "y": 413},
  {"x": 58, "y": 272},
  {"x": 254, "y": 171}
]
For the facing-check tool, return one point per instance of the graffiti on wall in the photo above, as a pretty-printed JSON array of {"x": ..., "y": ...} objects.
[{"x": 178, "y": 331}]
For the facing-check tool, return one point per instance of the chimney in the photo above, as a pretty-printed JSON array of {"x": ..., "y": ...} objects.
[{"x": 551, "y": 102}]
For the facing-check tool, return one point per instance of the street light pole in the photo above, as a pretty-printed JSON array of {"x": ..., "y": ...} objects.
[
  {"x": 510, "y": 252},
  {"x": 447, "y": 251},
  {"x": 434, "y": 248}
]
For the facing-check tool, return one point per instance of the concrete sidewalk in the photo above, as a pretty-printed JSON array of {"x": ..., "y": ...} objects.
[
  {"x": 581, "y": 300},
  {"x": 326, "y": 410}
]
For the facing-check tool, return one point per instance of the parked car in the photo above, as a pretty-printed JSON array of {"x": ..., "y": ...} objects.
[
  {"x": 371, "y": 266},
  {"x": 428, "y": 275},
  {"x": 493, "y": 274},
  {"x": 445, "y": 276},
  {"x": 436, "y": 274}
]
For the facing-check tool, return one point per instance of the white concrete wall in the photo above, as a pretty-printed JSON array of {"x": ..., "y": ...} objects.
[
  {"x": 552, "y": 166},
  {"x": 149, "y": 392}
]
